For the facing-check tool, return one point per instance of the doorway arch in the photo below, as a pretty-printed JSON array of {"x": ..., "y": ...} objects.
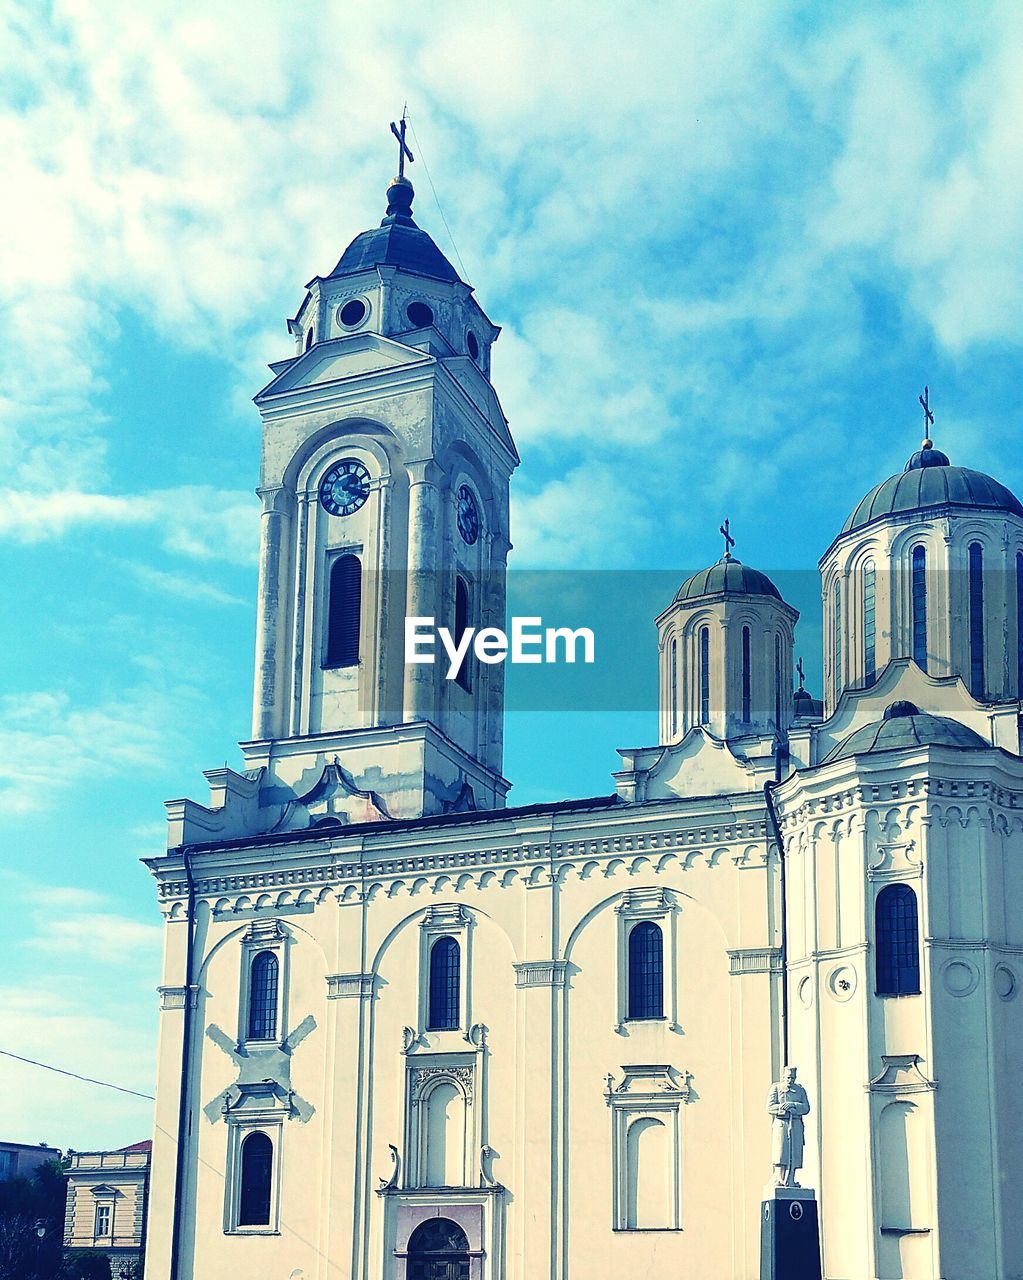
[{"x": 438, "y": 1249}]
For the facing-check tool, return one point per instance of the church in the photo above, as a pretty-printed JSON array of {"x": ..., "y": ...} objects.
[{"x": 409, "y": 1032}]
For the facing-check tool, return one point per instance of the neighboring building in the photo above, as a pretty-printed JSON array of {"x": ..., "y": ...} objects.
[
  {"x": 19, "y": 1159},
  {"x": 107, "y": 1195},
  {"x": 423, "y": 1035}
]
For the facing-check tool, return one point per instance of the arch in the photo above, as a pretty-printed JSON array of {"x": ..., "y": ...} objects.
[
  {"x": 444, "y": 1107},
  {"x": 438, "y": 1250},
  {"x": 704, "y": 645},
  {"x": 463, "y": 616},
  {"x": 975, "y": 554},
  {"x": 918, "y": 600},
  {"x": 257, "y": 1156},
  {"x": 647, "y": 1161},
  {"x": 344, "y": 611},
  {"x": 902, "y": 1150},
  {"x": 896, "y": 942},
  {"x": 263, "y": 989},
  {"x": 445, "y": 985},
  {"x": 646, "y": 971}
]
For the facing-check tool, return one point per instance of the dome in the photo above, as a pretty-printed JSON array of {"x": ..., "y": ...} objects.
[
  {"x": 728, "y": 577},
  {"x": 397, "y": 242},
  {"x": 905, "y": 725},
  {"x": 930, "y": 480}
]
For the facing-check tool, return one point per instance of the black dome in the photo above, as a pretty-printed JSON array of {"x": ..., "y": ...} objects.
[
  {"x": 728, "y": 577},
  {"x": 930, "y": 480},
  {"x": 397, "y": 242},
  {"x": 905, "y": 725}
]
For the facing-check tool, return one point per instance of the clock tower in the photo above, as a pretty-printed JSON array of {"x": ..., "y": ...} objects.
[{"x": 384, "y": 482}]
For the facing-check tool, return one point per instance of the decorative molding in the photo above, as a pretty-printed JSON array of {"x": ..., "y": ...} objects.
[
  {"x": 646, "y": 1082},
  {"x": 541, "y": 973},
  {"x": 174, "y": 997},
  {"x": 743, "y": 960},
  {"x": 644, "y": 903},
  {"x": 263, "y": 932},
  {"x": 901, "y": 1074},
  {"x": 895, "y": 861},
  {"x": 264, "y": 1100},
  {"x": 423, "y": 1077},
  {"x": 446, "y": 916},
  {"x": 358, "y": 986}
]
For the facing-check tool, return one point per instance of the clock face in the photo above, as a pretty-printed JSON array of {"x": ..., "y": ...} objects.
[
  {"x": 344, "y": 488},
  {"x": 468, "y": 515}
]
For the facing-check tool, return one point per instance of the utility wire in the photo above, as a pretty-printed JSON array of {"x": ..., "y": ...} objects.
[
  {"x": 75, "y": 1076},
  {"x": 440, "y": 207}
]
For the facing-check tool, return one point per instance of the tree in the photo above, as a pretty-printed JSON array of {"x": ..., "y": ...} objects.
[
  {"x": 85, "y": 1264},
  {"x": 32, "y": 1224}
]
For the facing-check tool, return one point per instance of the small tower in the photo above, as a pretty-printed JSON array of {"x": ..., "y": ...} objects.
[
  {"x": 726, "y": 654},
  {"x": 384, "y": 482}
]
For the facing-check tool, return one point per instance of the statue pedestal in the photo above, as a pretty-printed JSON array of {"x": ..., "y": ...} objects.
[{"x": 790, "y": 1247}]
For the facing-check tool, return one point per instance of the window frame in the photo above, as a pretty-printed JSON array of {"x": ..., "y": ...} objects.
[
  {"x": 263, "y": 936},
  {"x": 452, "y": 989},
  {"x": 238, "y": 1131},
  {"x": 334, "y": 559},
  {"x": 899, "y": 889},
  {"x": 659, "y": 907},
  {"x": 703, "y": 672},
  {"x": 869, "y": 623},
  {"x": 454, "y": 921},
  {"x": 104, "y": 1206},
  {"x": 918, "y": 629},
  {"x": 976, "y": 637}
]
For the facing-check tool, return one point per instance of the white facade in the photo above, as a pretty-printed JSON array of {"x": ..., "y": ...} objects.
[{"x": 581, "y": 1094}]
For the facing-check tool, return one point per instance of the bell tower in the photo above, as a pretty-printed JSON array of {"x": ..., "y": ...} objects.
[{"x": 384, "y": 482}]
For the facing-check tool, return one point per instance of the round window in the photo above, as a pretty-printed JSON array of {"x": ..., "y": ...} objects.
[
  {"x": 352, "y": 313},
  {"x": 472, "y": 343},
  {"x": 419, "y": 314}
]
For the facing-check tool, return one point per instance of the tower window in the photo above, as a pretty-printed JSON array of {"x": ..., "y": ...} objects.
[
  {"x": 838, "y": 638},
  {"x": 344, "y": 612},
  {"x": 897, "y": 942},
  {"x": 263, "y": 997},
  {"x": 673, "y": 684},
  {"x": 419, "y": 315},
  {"x": 746, "y": 699},
  {"x": 308, "y": 338},
  {"x": 704, "y": 675},
  {"x": 257, "y": 1167},
  {"x": 445, "y": 979},
  {"x": 919, "y": 591},
  {"x": 976, "y": 620},
  {"x": 472, "y": 343},
  {"x": 352, "y": 313},
  {"x": 646, "y": 971},
  {"x": 777, "y": 683},
  {"x": 462, "y": 614},
  {"x": 869, "y": 623},
  {"x": 1019, "y": 625}
]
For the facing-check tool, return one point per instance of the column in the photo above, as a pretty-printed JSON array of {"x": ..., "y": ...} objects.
[
  {"x": 425, "y": 534},
  {"x": 266, "y": 690}
]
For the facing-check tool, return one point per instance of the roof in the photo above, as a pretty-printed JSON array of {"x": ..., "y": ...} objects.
[
  {"x": 929, "y": 480},
  {"x": 397, "y": 242},
  {"x": 905, "y": 725},
  {"x": 728, "y": 577},
  {"x": 147, "y": 1145}
]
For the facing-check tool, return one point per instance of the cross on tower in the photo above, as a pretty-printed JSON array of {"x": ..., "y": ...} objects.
[
  {"x": 799, "y": 671},
  {"x": 925, "y": 404},
  {"x": 729, "y": 540},
  {"x": 403, "y": 152}
]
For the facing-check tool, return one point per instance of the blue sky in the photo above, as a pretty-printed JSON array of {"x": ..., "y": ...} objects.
[{"x": 727, "y": 246}]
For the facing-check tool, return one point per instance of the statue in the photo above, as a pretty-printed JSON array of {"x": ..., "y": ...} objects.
[{"x": 787, "y": 1103}]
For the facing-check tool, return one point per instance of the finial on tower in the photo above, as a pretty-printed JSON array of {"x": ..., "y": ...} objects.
[
  {"x": 802, "y": 677},
  {"x": 400, "y": 192},
  {"x": 724, "y": 530},
  {"x": 925, "y": 404}
]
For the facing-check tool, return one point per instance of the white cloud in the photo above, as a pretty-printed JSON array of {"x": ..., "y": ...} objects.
[
  {"x": 589, "y": 518},
  {"x": 182, "y": 586}
]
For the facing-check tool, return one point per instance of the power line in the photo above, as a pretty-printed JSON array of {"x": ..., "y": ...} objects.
[
  {"x": 440, "y": 207},
  {"x": 75, "y": 1076}
]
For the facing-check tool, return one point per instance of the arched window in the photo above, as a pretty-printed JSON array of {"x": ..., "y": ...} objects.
[
  {"x": 746, "y": 699},
  {"x": 704, "y": 675},
  {"x": 344, "y": 615},
  {"x": 462, "y": 614},
  {"x": 308, "y": 338},
  {"x": 673, "y": 685},
  {"x": 838, "y": 638},
  {"x": 976, "y": 620},
  {"x": 869, "y": 623},
  {"x": 919, "y": 591},
  {"x": 777, "y": 683},
  {"x": 445, "y": 966},
  {"x": 438, "y": 1248},
  {"x": 257, "y": 1170},
  {"x": 646, "y": 971},
  {"x": 263, "y": 997},
  {"x": 896, "y": 942},
  {"x": 1019, "y": 625}
]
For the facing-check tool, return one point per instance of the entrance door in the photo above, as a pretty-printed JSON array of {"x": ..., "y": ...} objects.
[{"x": 438, "y": 1250}]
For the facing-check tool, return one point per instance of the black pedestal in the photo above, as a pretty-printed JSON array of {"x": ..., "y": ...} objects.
[{"x": 790, "y": 1246}]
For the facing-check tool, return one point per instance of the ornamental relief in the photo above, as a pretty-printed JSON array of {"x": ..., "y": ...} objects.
[{"x": 421, "y": 1078}]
